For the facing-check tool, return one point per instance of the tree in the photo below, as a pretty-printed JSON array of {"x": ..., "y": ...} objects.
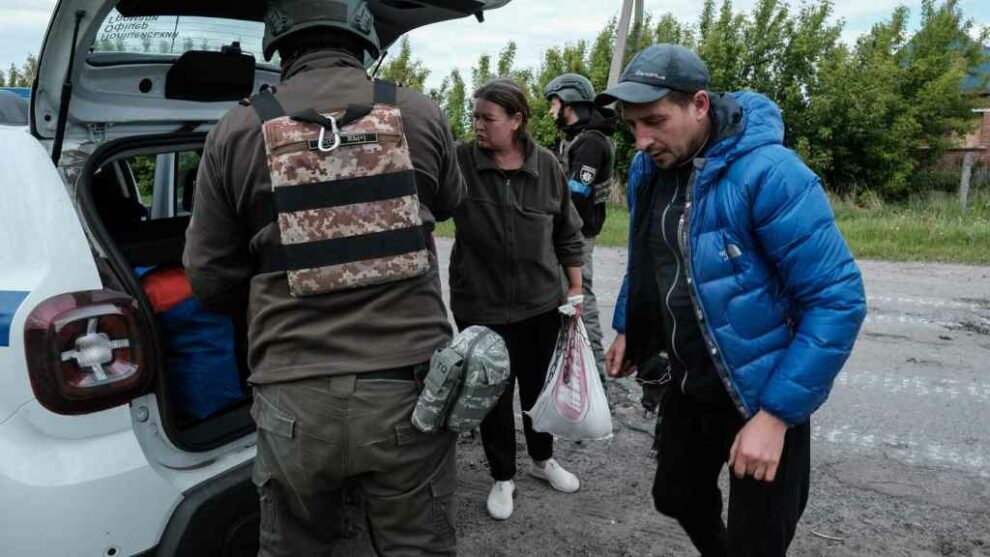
[
  {"x": 764, "y": 41},
  {"x": 938, "y": 59},
  {"x": 482, "y": 72},
  {"x": 669, "y": 30},
  {"x": 13, "y": 76},
  {"x": 29, "y": 71},
  {"x": 456, "y": 107},
  {"x": 600, "y": 57},
  {"x": 721, "y": 46},
  {"x": 506, "y": 59},
  {"x": 889, "y": 107},
  {"x": 811, "y": 42},
  {"x": 640, "y": 37},
  {"x": 865, "y": 117},
  {"x": 861, "y": 135},
  {"x": 403, "y": 69}
]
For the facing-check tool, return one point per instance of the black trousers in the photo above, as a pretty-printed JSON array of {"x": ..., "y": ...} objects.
[
  {"x": 531, "y": 344},
  {"x": 693, "y": 448}
]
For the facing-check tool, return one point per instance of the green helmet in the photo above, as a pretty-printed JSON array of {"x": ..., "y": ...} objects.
[
  {"x": 571, "y": 88},
  {"x": 285, "y": 17}
]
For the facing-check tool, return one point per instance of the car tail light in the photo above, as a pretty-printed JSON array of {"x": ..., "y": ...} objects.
[{"x": 87, "y": 351}]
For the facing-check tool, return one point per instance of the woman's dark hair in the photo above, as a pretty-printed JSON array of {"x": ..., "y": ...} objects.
[{"x": 507, "y": 94}]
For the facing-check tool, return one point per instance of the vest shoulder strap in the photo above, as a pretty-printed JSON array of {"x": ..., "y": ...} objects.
[
  {"x": 267, "y": 106},
  {"x": 386, "y": 92}
]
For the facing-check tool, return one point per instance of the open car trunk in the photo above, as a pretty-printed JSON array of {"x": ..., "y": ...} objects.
[
  {"x": 123, "y": 83},
  {"x": 141, "y": 230}
]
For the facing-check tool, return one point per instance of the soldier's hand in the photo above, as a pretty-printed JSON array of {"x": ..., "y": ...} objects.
[
  {"x": 757, "y": 448},
  {"x": 615, "y": 364}
]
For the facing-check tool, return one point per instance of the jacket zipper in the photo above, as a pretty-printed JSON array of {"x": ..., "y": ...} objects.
[
  {"x": 510, "y": 261},
  {"x": 680, "y": 233},
  {"x": 696, "y": 299},
  {"x": 673, "y": 284}
]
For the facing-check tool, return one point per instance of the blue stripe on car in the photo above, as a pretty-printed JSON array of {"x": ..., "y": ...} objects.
[{"x": 10, "y": 300}]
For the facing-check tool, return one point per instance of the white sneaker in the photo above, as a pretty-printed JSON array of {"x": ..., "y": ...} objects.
[
  {"x": 500, "y": 500},
  {"x": 559, "y": 479}
]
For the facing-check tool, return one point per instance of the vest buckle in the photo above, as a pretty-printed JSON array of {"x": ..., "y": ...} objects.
[{"x": 336, "y": 136}]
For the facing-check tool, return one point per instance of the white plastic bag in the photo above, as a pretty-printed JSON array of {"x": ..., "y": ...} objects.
[{"x": 573, "y": 404}]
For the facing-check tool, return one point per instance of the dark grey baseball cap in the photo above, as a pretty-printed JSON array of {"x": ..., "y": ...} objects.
[{"x": 654, "y": 72}]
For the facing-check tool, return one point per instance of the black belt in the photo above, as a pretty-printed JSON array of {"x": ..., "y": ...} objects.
[{"x": 398, "y": 374}]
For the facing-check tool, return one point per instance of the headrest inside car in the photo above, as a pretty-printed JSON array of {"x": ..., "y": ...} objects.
[{"x": 209, "y": 76}]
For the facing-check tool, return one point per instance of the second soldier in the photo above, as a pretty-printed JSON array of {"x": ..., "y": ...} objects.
[{"x": 587, "y": 155}]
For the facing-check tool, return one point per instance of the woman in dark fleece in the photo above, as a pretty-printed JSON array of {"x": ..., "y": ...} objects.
[{"x": 516, "y": 228}]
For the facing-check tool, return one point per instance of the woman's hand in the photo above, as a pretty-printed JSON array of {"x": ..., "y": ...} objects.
[{"x": 575, "y": 287}]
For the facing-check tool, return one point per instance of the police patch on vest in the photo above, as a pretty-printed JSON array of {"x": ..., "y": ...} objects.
[
  {"x": 346, "y": 140},
  {"x": 588, "y": 175}
]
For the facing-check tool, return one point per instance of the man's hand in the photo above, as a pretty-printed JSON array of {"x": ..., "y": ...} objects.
[
  {"x": 757, "y": 448},
  {"x": 615, "y": 364}
]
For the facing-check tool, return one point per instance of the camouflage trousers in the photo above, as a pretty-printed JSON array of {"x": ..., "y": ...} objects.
[{"x": 318, "y": 438}]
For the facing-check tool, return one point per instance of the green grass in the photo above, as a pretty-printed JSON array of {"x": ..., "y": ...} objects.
[
  {"x": 445, "y": 229},
  {"x": 929, "y": 227}
]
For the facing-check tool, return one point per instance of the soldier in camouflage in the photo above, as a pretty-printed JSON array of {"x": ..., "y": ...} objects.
[{"x": 338, "y": 336}]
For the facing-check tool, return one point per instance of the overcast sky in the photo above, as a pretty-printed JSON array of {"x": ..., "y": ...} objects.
[{"x": 534, "y": 24}]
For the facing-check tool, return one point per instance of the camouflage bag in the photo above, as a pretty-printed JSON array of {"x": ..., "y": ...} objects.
[
  {"x": 465, "y": 381},
  {"x": 344, "y": 193}
]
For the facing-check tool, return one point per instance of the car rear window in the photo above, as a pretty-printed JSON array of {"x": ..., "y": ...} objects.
[{"x": 174, "y": 35}]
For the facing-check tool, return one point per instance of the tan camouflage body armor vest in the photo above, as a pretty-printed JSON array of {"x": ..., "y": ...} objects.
[{"x": 344, "y": 196}]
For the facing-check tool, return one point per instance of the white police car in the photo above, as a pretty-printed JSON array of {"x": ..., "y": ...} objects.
[{"x": 95, "y": 458}]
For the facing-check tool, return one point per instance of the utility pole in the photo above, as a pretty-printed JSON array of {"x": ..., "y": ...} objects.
[
  {"x": 967, "y": 171},
  {"x": 621, "y": 34}
]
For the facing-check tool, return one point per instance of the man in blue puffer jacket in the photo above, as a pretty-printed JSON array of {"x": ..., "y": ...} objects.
[{"x": 738, "y": 271}]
